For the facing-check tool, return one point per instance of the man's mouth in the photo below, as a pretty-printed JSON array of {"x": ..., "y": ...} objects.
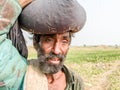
[{"x": 54, "y": 60}]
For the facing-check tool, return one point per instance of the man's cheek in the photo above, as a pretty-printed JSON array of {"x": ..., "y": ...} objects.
[
  {"x": 48, "y": 50},
  {"x": 66, "y": 51}
]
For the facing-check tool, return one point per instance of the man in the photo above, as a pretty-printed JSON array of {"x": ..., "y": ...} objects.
[{"x": 52, "y": 22}]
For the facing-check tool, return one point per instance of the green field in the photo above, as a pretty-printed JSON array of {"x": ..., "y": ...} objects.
[{"x": 99, "y": 66}]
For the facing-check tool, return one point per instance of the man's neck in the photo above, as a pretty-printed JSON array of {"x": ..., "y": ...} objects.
[
  {"x": 56, "y": 81},
  {"x": 53, "y": 77}
]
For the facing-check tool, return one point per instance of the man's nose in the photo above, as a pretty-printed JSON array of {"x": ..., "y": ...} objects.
[{"x": 57, "y": 48}]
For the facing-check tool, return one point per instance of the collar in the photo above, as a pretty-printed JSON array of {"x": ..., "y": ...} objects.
[{"x": 69, "y": 75}]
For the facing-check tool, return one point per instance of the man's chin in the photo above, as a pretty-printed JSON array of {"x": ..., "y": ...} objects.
[{"x": 50, "y": 68}]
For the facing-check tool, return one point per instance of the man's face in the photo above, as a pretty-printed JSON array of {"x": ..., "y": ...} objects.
[{"x": 52, "y": 52}]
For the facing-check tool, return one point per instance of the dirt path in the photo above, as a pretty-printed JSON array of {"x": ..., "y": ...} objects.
[{"x": 101, "y": 80}]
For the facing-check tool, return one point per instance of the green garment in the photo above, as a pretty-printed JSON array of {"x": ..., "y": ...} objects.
[
  {"x": 9, "y": 12},
  {"x": 74, "y": 81},
  {"x": 12, "y": 64}
]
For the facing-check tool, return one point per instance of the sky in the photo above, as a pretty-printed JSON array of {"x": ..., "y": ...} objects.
[{"x": 103, "y": 23}]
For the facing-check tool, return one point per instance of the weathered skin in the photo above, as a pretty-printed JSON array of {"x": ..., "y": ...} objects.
[
  {"x": 23, "y": 3},
  {"x": 53, "y": 16}
]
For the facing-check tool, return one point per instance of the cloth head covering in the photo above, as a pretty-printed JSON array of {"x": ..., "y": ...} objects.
[{"x": 53, "y": 16}]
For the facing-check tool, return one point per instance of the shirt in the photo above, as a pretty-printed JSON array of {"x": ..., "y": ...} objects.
[{"x": 74, "y": 81}]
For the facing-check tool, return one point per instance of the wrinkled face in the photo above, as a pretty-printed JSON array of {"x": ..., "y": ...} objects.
[{"x": 52, "y": 52}]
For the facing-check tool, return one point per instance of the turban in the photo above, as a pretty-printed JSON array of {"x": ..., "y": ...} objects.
[{"x": 52, "y": 16}]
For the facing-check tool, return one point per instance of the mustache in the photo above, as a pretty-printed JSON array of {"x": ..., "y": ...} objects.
[{"x": 51, "y": 55}]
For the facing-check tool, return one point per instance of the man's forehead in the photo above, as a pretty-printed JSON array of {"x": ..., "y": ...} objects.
[{"x": 67, "y": 34}]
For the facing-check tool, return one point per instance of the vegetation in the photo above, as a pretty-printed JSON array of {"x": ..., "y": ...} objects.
[
  {"x": 99, "y": 66},
  {"x": 93, "y": 54}
]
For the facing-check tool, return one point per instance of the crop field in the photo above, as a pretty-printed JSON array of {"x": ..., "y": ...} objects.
[{"x": 99, "y": 66}]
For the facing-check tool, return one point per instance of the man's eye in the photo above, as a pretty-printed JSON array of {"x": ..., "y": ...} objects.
[
  {"x": 49, "y": 40},
  {"x": 65, "y": 42}
]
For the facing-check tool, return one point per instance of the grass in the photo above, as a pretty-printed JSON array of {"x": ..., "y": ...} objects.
[
  {"x": 91, "y": 63},
  {"x": 114, "y": 78},
  {"x": 93, "y": 54},
  {"x": 32, "y": 54}
]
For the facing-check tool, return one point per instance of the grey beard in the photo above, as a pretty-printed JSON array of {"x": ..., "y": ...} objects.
[{"x": 47, "y": 67}]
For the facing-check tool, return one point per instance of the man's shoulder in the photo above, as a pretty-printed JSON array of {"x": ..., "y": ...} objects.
[
  {"x": 34, "y": 78},
  {"x": 71, "y": 72}
]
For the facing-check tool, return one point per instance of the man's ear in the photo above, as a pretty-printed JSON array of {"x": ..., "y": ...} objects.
[
  {"x": 36, "y": 40},
  {"x": 17, "y": 38}
]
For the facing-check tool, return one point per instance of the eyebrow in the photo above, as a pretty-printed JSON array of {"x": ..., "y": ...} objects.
[
  {"x": 66, "y": 37},
  {"x": 48, "y": 35},
  {"x": 53, "y": 35}
]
